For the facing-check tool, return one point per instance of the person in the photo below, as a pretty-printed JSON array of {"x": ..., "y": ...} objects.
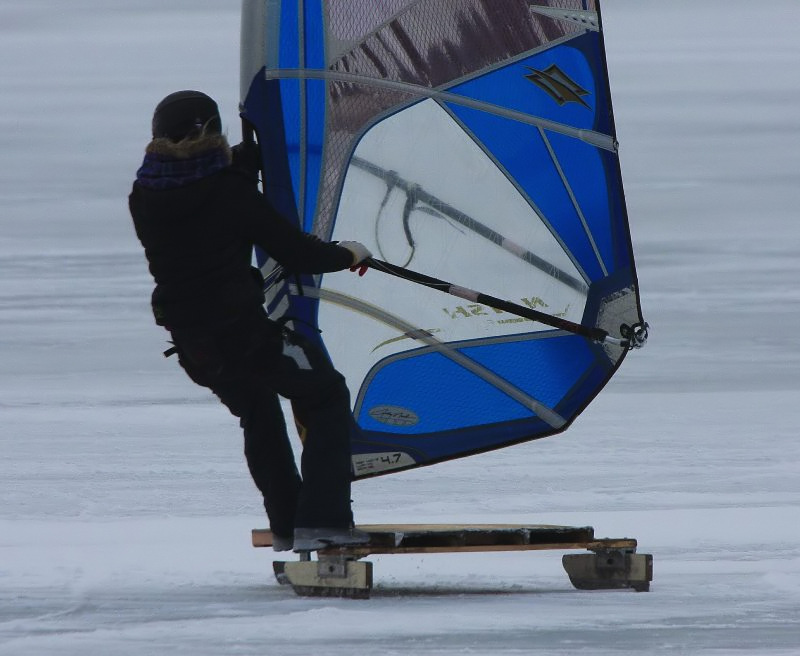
[{"x": 198, "y": 212}]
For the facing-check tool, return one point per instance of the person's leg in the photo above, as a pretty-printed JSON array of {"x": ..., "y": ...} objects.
[
  {"x": 271, "y": 462},
  {"x": 222, "y": 362},
  {"x": 321, "y": 402}
]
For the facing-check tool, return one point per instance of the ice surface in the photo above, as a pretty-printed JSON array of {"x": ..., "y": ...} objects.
[{"x": 125, "y": 506}]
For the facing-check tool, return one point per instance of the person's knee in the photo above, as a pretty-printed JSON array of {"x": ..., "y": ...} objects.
[{"x": 328, "y": 403}]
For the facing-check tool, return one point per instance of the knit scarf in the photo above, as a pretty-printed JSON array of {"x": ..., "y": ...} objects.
[{"x": 160, "y": 171}]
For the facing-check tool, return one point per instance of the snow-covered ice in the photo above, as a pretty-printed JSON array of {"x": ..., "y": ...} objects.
[{"x": 125, "y": 505}]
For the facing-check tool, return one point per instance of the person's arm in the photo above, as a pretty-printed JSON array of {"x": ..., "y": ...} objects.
[{"x": 296, "y": 251}]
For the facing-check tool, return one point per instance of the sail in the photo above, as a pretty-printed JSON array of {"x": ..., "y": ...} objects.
[{"x": 471, "y": 141}]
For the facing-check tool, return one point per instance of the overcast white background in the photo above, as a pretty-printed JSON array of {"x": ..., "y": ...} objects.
[{"x": 125, "y": 505}]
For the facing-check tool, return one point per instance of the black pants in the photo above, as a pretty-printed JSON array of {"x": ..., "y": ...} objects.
[{"x": 247, "y": 365}]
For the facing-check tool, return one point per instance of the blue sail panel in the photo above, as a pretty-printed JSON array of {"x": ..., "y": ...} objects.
[
  {"x": 446, "y": 395},
  {"x": 557, "y": 85},
  {"x": 315, "y": 140},
  {"x": 292, "y": 133},
  {"x": 593, "y": 186},
  {"x": 488, "y": 421}
]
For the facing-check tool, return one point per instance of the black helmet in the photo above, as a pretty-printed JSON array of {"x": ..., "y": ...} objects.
[{"x": 183, "y": 113}]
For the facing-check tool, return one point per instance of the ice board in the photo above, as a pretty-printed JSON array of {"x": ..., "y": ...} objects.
[{"x": 612, "y": 563}]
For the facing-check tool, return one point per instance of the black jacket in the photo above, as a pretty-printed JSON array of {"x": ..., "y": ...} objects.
[{"x": 198, "y": 239}]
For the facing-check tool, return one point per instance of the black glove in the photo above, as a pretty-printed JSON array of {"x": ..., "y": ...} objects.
[{"x": 247, "y": 159}]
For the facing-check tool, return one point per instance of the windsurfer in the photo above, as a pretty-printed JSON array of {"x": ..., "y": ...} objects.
[{"x": 198, "y": 212}]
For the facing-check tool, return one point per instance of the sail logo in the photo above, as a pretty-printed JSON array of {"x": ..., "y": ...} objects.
[
  {"x": 558, "y": 85},
  {"x": 394, "y": 415},
  {"x": 478, "y": 310}
]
